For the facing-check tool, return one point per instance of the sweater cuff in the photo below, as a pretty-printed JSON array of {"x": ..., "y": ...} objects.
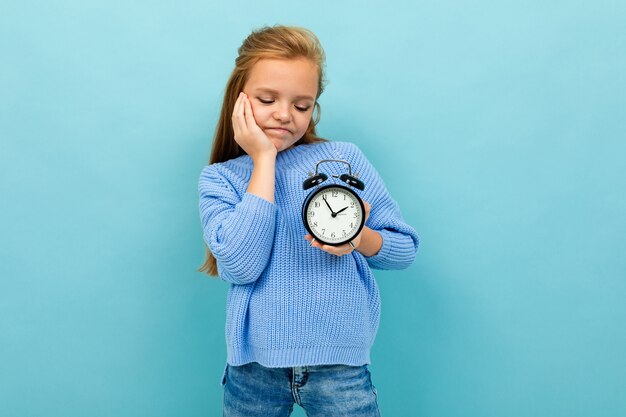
[
  {"x": 394, "y": 251},
  {"x": 257, "y": 203},
  {"x": 250, "y": 243},
  {"x": 256, "y": 216}
]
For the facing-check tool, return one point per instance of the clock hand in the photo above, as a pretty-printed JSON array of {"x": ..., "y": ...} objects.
[
  {"x": 345, "y": 208},
  {"x": 329, "y": 207}
]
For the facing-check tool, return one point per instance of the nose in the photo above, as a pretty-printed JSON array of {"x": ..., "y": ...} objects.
[{"x": 282, "y": 114}]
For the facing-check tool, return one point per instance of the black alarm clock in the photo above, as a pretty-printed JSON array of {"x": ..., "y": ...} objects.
[{"x": 333, "y": 214}]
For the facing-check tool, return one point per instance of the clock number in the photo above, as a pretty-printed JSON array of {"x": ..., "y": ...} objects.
[
  {"x": 335, "y": 193},
  {"x": 332, "y": 234},
  {"x": 323, "y": 231},
  {"x": 317, "y": 204}
]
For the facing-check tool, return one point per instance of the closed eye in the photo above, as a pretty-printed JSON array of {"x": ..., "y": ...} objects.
[{"x": 302, "y": 109}]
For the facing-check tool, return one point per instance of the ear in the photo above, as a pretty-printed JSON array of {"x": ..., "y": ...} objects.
[
  {"x": 314, "y": 180},
  {"x": 352, "y": 181}
]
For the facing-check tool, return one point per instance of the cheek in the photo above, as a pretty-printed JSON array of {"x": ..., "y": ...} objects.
[
  {"x": 304, "y": 121},
  {"x": 257, "y": 111}
]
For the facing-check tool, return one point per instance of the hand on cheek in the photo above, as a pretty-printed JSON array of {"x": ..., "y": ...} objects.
[{"x": 247, "y": 132}]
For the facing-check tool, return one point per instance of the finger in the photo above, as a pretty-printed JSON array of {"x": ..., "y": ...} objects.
[
  {"x": 336, "y": 250},
  {"x": 241, "y": 115},
  {"x": 313, "y": 242},
  {"x": 249, "y": 115},
  {"x": 333, "y": 250},
  {"x": 328, "y": 249},
  {"x": 236, "y": 106},
  {"x": 321, "y": 246},
  {"x": 235, "y": 118}
]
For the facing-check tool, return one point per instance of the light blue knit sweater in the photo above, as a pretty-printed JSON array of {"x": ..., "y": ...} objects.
[{"x": 290, "y": 304}]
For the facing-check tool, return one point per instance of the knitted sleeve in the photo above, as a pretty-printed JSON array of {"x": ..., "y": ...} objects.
[
  {"x": 400, "y": 241},
  {"x": 239, "y": 230}
]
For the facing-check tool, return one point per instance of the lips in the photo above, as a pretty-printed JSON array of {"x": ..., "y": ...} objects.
[{"x": 279, "y": 129}]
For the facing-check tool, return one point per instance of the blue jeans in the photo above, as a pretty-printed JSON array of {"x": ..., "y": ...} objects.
[{"x": 323, "y": 390}]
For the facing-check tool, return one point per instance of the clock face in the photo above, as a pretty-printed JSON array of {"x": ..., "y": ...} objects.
[{"x": 333, "y": 214}]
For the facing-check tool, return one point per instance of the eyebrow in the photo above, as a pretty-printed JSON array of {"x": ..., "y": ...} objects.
[{"x": 269, "y": 90}]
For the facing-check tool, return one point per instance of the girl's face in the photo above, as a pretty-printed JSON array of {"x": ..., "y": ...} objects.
[{"x": 282, "y": 94}]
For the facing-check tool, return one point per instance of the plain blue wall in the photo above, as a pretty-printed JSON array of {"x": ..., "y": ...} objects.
[{"x": 498, "y": 126}]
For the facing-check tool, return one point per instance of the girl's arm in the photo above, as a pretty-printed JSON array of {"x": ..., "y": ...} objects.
[
  {"x": 238, "y": 227},
  {"x": 399, "y": 240},
  {"x": 262, "y": 151},
  {"x": 371, "y": 242},
  {"x": 239, "y": 231},
  {"x": 263, "y": 177}
]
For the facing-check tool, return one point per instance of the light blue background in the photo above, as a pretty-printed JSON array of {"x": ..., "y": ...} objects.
[{"x": 498, "y": 126}]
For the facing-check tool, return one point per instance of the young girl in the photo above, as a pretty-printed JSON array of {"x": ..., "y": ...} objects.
[{"x": 301, "y": 316}]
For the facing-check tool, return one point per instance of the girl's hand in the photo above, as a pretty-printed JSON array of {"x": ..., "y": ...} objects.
[
  {"x": 247, "y": 133},
  {"x": 343, "y": 249}
]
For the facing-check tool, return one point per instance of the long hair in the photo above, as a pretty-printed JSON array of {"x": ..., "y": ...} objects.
[{"x": 275, "y": 42}]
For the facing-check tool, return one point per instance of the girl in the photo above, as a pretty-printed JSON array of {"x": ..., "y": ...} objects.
[{"x": 301, "y": 316}]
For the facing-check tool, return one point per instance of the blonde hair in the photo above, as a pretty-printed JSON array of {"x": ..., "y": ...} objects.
[{"x": 269, "y": 42}]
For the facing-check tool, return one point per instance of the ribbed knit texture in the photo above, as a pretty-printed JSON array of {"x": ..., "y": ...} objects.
[{"x": 290, "y": 304}]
